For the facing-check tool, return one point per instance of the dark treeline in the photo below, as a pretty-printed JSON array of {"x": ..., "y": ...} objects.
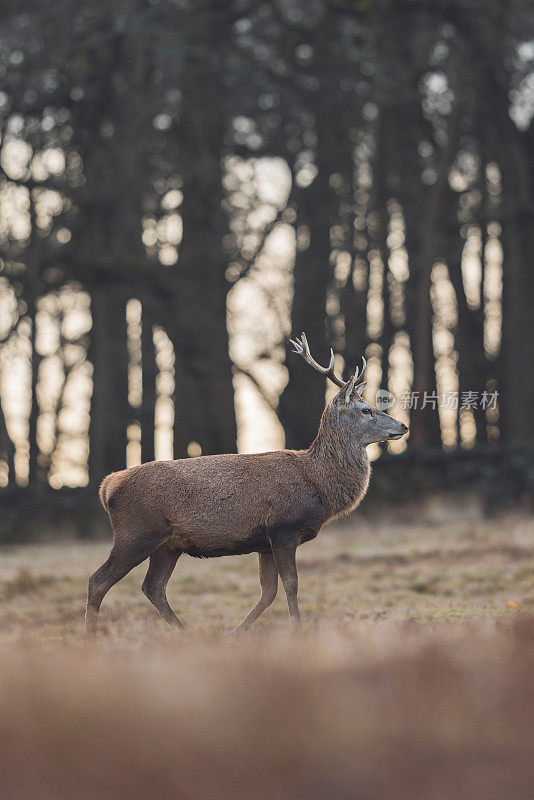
[{"x": 406, "y": 127}]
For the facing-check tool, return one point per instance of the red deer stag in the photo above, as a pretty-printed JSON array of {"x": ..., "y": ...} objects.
[{"x": 225, "y": 505}]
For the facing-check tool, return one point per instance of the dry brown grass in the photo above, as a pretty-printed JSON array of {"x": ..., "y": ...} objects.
[{"x": 412, "y": 678}]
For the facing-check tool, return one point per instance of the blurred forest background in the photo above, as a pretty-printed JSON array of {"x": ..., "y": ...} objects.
[{"x": 185, "y": 184}]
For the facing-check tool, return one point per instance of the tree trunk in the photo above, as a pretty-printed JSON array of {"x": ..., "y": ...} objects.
[
  {"x": 352, "y": 300},
  {"x": 424, "y": 221},
  {"x": 421, "y": 242},
  {"x": 302, "y": 401},
  {"x": 517, "y": 384},
  {"x": 110, "y": 411},
  {"x": 149, "y": 372},
  {"x": 204, "y": 393},
  {"x": 34, "y": 473}
]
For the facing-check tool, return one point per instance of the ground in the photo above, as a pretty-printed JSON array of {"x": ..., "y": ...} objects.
[
  {"x": 413, "y": 676},
  {"x": 355, "y": 572}
]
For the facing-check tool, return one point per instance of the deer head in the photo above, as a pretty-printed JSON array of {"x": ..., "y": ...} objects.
[{"x": 351, "y": 415}]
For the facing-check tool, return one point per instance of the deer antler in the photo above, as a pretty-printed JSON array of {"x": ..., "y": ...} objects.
[{"x": 302, "y": 348}]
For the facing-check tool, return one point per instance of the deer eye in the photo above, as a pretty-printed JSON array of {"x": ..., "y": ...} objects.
[{"x": 366, "y": 410}]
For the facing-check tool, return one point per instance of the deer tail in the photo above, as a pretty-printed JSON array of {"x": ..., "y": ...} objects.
[
  {"x": 103, "y": 494},
  {"x": 109, "y": 487}
]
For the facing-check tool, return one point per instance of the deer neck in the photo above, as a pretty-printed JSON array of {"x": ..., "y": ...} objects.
[{"x": 340, "y": 469}]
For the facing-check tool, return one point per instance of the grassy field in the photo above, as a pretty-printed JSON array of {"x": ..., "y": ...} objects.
[
  {"x": 355, "y": 573},
  {"x": 413, "y": 675}
]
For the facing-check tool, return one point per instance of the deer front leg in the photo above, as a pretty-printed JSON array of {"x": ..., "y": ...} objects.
[
  {"x": 269, "y": 587},
  {"x": 284, "y": 547}
]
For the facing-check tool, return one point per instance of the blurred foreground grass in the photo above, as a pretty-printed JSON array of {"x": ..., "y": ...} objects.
[{"x": 413, "y": 676}]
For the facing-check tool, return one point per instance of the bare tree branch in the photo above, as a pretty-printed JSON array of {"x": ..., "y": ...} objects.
[{"x": 261, "y": 391}]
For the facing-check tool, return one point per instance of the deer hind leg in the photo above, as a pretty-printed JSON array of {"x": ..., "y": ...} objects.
[
  {"x": 162, "y": 563},
  {"x": 123, "y": 558},
  {"x": 269, "y": 587}
]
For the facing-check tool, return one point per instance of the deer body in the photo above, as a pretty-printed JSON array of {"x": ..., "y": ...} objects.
[
  {"x": 212, "y": 506},
  {"x": 230, "y": 504}
]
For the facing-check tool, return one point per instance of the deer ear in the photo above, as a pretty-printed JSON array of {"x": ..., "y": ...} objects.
[{"x": 352, "y": 390}]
